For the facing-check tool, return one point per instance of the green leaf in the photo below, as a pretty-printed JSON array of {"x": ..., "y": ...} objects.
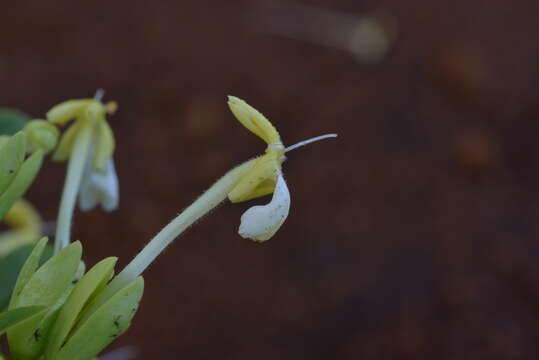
[
  {"x": 12, "y": 120},
  {"x": 11, "y": 158},
  {"x": 10, "y": 268},
  {"x": 49, "y": 286},
  {"x": 108, "y": 322},
  {"x": 22, "y": 181},
  {"x": 48, "y": 283},
  {"x": 28, "y": 269},
  {"x": 94, "y": 281},
  {"x": 13, "y": 317}
]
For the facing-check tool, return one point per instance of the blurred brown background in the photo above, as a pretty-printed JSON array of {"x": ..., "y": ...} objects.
[{"x": 415, "y": 235}]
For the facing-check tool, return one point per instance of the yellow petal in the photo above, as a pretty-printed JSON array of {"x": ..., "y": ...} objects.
[
  {"x": 104, "y": 146},
  {"x": 63, "y": 151},
  {"x": 67, "y": 110},
  {"x": 95, "y": 112},
  {"x": 254, "y": 121},
  {"x": 259, "y": 181}
]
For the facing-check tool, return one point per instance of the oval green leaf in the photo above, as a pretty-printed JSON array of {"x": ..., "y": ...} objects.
[
  {"x": 49, "y": 286},
  {"x": 28, "y": 269},
  {"x": 11, "y": 158},
  {"x": 93, "y": 281},
  {"x": 22, "y": 181},
  {"x": 107, "y": 323},
  {"x": 13, "y": 317}
]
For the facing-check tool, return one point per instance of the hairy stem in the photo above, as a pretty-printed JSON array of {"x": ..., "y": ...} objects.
[{"x": 216, "y": 194}]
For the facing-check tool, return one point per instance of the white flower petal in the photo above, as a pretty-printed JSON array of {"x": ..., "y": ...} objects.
[
  {"x": 97, "y": 188},
  {"x": 259, "y": 222}
]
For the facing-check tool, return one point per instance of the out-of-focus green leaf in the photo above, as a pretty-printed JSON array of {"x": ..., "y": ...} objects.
[
  {"x": 11, "y": 266},
  {"x": 12, "y": 120},
  {"x": 13, "y": 317},
  {"x": 27, "y": 270},
  {"x": 22, "y": 181},
  {"x": 11, "y": 158},
  {"x": 49, "y": 286},
  {"x": 48, "y": 283},
  {"x": 94, "y": 280},
  {"x": 108, "y": 322}
]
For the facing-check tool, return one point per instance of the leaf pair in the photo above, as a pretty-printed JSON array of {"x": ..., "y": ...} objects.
[
  {"x": 71, "y": 326},
  {"x": 10, "y": 267}
]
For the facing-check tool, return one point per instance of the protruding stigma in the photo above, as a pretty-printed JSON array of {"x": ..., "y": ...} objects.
[{"x": 308, "y": 141}]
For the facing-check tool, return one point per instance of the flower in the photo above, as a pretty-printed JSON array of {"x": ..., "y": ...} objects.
[
  {"x": 260, "y": 223},
  {"x": 89, "y": 117},
  {"x": 88, "y": 144},
  {"x": 99, "y": 182}
]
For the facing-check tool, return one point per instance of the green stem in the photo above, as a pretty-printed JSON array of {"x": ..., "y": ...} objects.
[
  {"x": 204, "y": 204},
  {"x": 75, "y": 170}
]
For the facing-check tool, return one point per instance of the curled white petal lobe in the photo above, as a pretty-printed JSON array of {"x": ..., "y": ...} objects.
[
  {"x": 99, "y": 188},
  {"x": 260, "y": 223}
]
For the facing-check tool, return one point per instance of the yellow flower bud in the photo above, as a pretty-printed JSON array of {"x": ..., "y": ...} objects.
[{"x": 41, "y": 134}]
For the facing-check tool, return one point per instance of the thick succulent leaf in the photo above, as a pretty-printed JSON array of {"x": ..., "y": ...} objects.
[
  {"x": 94, "y": 280},
  {"x": 27, "y": 270},
  {"x": 12, "y": 121},
  {"x": 27, "y": 340},
  {"x": 108, "y": 322},
  {"x": 13, "y": 317},
  {"x": 48, "y": 283},
  {"x": 22, "y": 181},
  {"x": 49, "y": 286},
  {"x": 11, "y": 158},
  {"x": 10, "y": 268}
]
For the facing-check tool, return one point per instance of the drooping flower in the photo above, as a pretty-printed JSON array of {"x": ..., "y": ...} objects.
[
  {"x": 89, "y": 119},
  {"x": 254, "y": 178},
  {"x": 260, "y": 223},
  {"x": 88, "y": 143}
]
